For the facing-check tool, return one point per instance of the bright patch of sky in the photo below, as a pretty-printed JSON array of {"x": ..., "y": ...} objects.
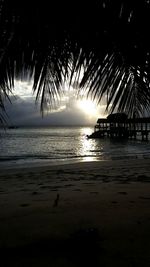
[
  {"x": 23, "y": 89},
  {"x": 69, "y": 111}
]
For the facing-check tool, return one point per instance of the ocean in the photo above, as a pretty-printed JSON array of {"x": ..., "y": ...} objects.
[{"x": 57, "y": 145}]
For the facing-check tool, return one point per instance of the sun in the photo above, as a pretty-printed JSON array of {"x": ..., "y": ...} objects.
[{"x": 88, "y": 107}]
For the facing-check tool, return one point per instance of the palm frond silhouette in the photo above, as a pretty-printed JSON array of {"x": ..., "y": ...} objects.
[{"x": 52, "y": 42}]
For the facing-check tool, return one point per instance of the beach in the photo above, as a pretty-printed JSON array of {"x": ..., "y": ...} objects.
[{"x": 85, "y": 213}]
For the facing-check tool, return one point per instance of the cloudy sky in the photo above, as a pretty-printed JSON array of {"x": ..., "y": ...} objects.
[{"x": 70, "y": 111}]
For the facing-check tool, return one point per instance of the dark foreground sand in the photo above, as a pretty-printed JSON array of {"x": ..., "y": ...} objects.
[{"x": 82, "y": 214}]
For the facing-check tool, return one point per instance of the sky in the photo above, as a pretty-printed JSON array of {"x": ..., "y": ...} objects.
[{"x": 24, "y": 111}]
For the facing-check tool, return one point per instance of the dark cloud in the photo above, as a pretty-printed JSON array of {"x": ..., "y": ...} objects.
[{"x": 24, "y": 112}]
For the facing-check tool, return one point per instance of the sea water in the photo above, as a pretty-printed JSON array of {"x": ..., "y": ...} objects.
[{"x": 56, "y": 145}]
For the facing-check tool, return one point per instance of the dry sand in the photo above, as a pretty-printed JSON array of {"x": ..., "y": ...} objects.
[{"x": 82, "y": 214}]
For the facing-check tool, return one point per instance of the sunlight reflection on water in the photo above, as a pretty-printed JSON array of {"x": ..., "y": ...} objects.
[{"x": 87, "y": 146}]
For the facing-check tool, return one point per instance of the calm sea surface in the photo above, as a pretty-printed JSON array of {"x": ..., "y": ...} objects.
[{"x": 63, "y": 144}]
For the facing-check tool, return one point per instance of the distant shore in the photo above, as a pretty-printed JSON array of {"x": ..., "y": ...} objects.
[{"x": 104, "y": 204}]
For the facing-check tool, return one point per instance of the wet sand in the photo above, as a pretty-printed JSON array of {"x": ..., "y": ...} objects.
[{"x": 82, "y": 214}]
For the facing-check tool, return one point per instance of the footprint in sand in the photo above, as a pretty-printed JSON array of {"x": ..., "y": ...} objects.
[
  {"x": 25, "y": 205},
  {"x": 122, "y": 193},
  {"x": 145, "y": 198},
  {"x": 34, "y": 193},
  {"x": 114, "y": 202}
]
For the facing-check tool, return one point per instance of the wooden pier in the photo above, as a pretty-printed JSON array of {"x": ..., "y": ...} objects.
[{"x": 118, "y": 125}]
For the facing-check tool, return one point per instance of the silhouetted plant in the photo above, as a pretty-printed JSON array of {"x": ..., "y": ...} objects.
[{"x": 57, "y": 40}]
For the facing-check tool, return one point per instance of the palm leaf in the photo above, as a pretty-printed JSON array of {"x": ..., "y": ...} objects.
[{"x": 106, "y": 41}]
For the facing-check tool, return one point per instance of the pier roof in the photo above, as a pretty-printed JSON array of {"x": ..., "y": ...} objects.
[{"x": 122, "y": 118}]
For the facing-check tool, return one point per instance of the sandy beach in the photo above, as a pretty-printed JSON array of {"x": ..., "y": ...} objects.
[{"x": 81, "y": 214}]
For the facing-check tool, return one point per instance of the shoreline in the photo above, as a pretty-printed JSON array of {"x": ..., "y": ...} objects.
[
  {"x": 51, "y": 206},
  {"x": 132, "y": 162},
  {"x": 72, "y": 162},
  {"x": 19, "y": 164}
]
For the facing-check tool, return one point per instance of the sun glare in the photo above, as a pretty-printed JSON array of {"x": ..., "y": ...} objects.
[{"x": 88, "y": 107}]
